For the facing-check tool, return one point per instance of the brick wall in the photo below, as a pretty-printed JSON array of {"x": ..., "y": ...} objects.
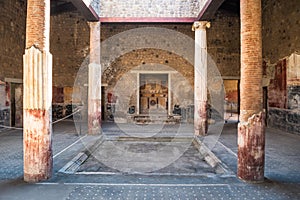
[
  {"x": 281, "y": 27},
  {"x": 69, "y": 42},
  {"x": 69, "y": 45},
  {"x": 146, "y": 56},
  {"x": 223, "y": 42},
  {"x": 149, "y": 60},
  {"x": 223, "y": 47},
  {"x": 12, "y": 38}
]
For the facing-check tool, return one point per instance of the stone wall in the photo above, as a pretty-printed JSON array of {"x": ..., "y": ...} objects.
[
  {"x": 223, "y": 38},
  {"x": 223, "y": 49},
  {"x": 121, "y": 77},
  {"x": 281, "y": 27},
  {"x": 69, "y": 45},
  {"x": 281, "y": 46},
  {"x": 283, "y": 80},
  {"x": 284, "y": 119},
  {"x": 223, "y": 42},
  {"x": 12, "y": 39}
]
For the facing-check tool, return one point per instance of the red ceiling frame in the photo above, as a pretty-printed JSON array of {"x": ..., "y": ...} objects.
[{"x": 148, "y": 19}]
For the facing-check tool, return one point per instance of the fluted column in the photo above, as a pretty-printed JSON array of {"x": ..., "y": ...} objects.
[
  {"x": 200, "y": 82},
  {"x": 251, "y": 129},
  {"x": 94, "y": 93},
  {"x": 37, "y": 75}
]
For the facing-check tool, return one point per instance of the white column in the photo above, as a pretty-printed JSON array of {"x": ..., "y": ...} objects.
[
  {"x": 37, "y": 98},
  {"x": 94, "y": 92},
  {"x": 200, "y": 73},
  {"x": 138, "y": 93},
  {"x": 169, "y": 95}
]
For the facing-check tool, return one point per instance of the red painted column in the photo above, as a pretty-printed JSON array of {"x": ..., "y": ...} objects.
[
  {"x": 37, "y": 78},
  {"x": 251, "y": 129},
  {"x": 94, "y": 92},
  {"x": 200, "y": 73}
]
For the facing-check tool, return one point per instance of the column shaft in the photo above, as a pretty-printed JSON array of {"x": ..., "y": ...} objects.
[
  {"x": 200, "y": 83},
  {"x": 37, "y": 75},
  {"x": 94, "y": 93},
  {"x": 251, "y": 133}
]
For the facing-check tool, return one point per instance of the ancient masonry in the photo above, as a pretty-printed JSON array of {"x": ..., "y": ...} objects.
[
  {"x": 37, "y": 93},
  {"x": 251, "y": 129}
]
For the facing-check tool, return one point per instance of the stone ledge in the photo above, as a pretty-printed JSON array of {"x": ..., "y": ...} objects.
[{"x": 284, "y": 119}]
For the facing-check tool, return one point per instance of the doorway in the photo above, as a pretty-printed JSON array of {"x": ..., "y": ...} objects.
[
  {"x": 153, "y": 93},
  {"x": 231, "y": 103},
  {"x": 16, "y": 104}
]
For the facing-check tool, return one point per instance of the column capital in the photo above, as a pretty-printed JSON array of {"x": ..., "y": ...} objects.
[
  {"x": 94, "y": 24},
  {"x": 200, "y": 25}
]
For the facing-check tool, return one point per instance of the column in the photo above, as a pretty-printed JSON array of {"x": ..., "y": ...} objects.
[
  {"x": 200, "y": 82},
  {"x": 37, "y": 78},
  {"x": 138, "y": 93},
  {"x": 169, "y": 94},
  {"x": 251, "y": 132},
  {"x": 94, "y": 92}
]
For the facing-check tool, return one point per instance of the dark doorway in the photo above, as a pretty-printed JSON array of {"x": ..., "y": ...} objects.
[
  {"x": 16, "y": 104},
  {"x": 265, "y": 103}
]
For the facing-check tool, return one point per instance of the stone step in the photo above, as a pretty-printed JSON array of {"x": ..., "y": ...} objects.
[{"x": 156, "y": 119}]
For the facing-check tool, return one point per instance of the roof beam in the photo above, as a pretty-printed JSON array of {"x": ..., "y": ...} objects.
[
  {"x": 85, "y": 9},
  {"x": 210, "y": 9}
]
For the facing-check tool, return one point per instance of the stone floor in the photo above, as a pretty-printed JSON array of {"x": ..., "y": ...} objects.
[
  {"x": 146, "y": 157},
  {"x": 282, "y": 171}
]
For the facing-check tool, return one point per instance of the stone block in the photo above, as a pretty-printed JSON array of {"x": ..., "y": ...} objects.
[
  {"x": 57, "y": 112},
  {"x": 293, "y": 117}
]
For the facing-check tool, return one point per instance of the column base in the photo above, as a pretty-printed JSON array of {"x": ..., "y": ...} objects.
[
  {"x": 251, "y": 149},
  {"x": 37, "y": 145},
  {"x": 34, "y": 178}
]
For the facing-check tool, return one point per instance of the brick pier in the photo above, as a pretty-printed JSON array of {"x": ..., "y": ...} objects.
[{"x": 251, "y": 129}]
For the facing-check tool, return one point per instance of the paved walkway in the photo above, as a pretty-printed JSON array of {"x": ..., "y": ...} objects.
[{"x": 282, "y": 172}]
